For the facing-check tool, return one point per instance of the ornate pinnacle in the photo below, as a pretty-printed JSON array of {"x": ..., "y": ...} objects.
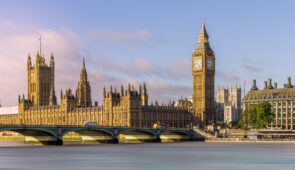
[{"x": 83, "y": 63}]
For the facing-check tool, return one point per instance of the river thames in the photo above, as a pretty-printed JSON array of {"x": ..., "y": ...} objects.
[{"x": 182, "y": 155}]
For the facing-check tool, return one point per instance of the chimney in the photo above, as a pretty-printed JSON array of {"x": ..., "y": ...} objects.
[
  {"x": 289, "y": 83},
  {"x": 275, "y": 85},
  {"x": 254, "y": 87},
  {"x": 269, "y": 84},
  {"x": 265, "y": 85}
]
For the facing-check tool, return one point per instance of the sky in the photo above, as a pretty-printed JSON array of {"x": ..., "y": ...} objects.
[{"x": 148, "y": 41}]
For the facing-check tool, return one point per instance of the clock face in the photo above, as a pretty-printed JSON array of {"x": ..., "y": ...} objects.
[
  {"x": 209, "y": 63},
  {"x": 198, "y": 64}
]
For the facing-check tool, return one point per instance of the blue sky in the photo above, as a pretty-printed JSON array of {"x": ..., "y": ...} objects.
[{"x": 152, "y": 41}]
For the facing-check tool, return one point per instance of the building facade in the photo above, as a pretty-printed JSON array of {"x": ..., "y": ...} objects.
[
  {"x": 281, "y": 99},
  {"x": 228, "y": 104},
  {"x": 127, "y": 107},
  {"x": 203, "y": 71}
]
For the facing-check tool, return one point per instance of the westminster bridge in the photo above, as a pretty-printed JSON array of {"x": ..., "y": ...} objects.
[{"x": 53, "y": 135}]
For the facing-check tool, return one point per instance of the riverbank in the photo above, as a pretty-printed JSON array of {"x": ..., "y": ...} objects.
[{"x": 241, "y": 141}]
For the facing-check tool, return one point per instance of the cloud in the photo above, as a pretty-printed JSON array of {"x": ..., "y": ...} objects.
[
  {"x": 125, "y": 37},
  {"x": 227, "y": 76},
  {"x": 16, "y": 43},
  {"x": 140, "y": 67},
  {"x": 252, "y": 68}
]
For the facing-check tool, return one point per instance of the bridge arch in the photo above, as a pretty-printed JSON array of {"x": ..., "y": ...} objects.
[
  {"x": 34, "y": 135},
  {"x": 87, "y": 128},
  {"x": 88, "y": 135},
  {"x": 172, "y": 136},
  {"x": 137, "y": 135}
]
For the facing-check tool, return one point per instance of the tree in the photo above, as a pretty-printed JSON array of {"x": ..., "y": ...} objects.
[
  {"x": 244, "y": 121},
  {"x": 264, "y": 115},
  {"x": 259, "y": 116},
  {"x": 222, "y": 124}
]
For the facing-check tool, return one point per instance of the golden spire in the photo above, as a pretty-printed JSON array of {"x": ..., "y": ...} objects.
[
  {"x": 83, "y": 63},
  {"x": 203, "y": 29},
  {"x": 83, "y": 74},
  {"x": 203, "y": 40}
]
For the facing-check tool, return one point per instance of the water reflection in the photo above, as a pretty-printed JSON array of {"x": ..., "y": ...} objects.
[{"x": 183, "y": 155}]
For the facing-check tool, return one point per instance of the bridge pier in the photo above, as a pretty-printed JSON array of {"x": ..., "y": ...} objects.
[
  {"x": 158, "y": 136},
  {"x": 115, "y": 137},
  {"x": 59, "y": 140},
  {"x": 191, "y": 135}
]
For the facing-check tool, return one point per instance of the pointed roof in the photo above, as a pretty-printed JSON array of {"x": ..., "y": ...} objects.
[
  {"x": 51, "y": 56},
  {"x": 203, "y": 29},
  {"x": 83, "y": 63},
  {"x": 83, "y": 74},
  {"x": 203, "y": 40}
]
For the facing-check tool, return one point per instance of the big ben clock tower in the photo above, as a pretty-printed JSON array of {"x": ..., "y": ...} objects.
[{"x": 203, "y": 70}]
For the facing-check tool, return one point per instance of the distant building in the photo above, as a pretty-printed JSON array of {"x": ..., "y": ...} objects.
[
  {"x": 228, "y": 104},
  {"x": 281, "y": 99},
  {"x": 186, "y": 102},
  {"x": 8, "y": 114},
  {"x": 126, "y": 107}
]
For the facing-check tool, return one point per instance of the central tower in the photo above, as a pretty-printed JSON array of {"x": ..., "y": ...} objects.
[
  {"x": 203, "y": 71},
  {"x": 83, "y": 92}
]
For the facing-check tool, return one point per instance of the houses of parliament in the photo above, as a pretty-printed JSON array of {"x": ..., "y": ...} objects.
[{"x": 125, "y": 107}]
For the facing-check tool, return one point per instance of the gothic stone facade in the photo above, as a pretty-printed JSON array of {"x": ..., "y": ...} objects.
[
  {"x": 281, "y": 99},
  {"x": 228, "y": 104},
  {"x": 128, "y": 108}
]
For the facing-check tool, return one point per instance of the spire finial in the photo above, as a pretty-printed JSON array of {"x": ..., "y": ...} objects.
[
  {"x": 203, "y": 19},
  {"x": 40, "y": 44},
  {"x": 83, "y": 63},
  {"x": 203, "y": 29}
]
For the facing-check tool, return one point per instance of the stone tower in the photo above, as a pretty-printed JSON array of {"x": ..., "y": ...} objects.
[
  {"x": 235, "y": 96},
  {"x": 222, "y": 95},
  {"x": 40, "y": 80},
  {"x": 203, "y": 71},
  {"x": 83, "y": 92}
]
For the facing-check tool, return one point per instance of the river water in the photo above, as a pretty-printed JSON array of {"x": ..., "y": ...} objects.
[{"x": 182, "y": 156}]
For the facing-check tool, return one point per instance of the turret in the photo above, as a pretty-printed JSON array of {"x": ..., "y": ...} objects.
[
  {"x": 52, "y": 98},
  {"x": 29, "y": 67},
  {"x": 104, "y": 92},
  {"x": 122, "y": 90},
  {"x": 61, "y": 94},
  {"x": 144, "y": 96},
  {"x": 139, "y": 89},
  {"x": 156, "y": 103},
  {"x": 52, "y": 65},
  {"x": 37, "y": 58},
  {"x": 51, "y": 60},
  {"x": 29, "y": 62}
]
